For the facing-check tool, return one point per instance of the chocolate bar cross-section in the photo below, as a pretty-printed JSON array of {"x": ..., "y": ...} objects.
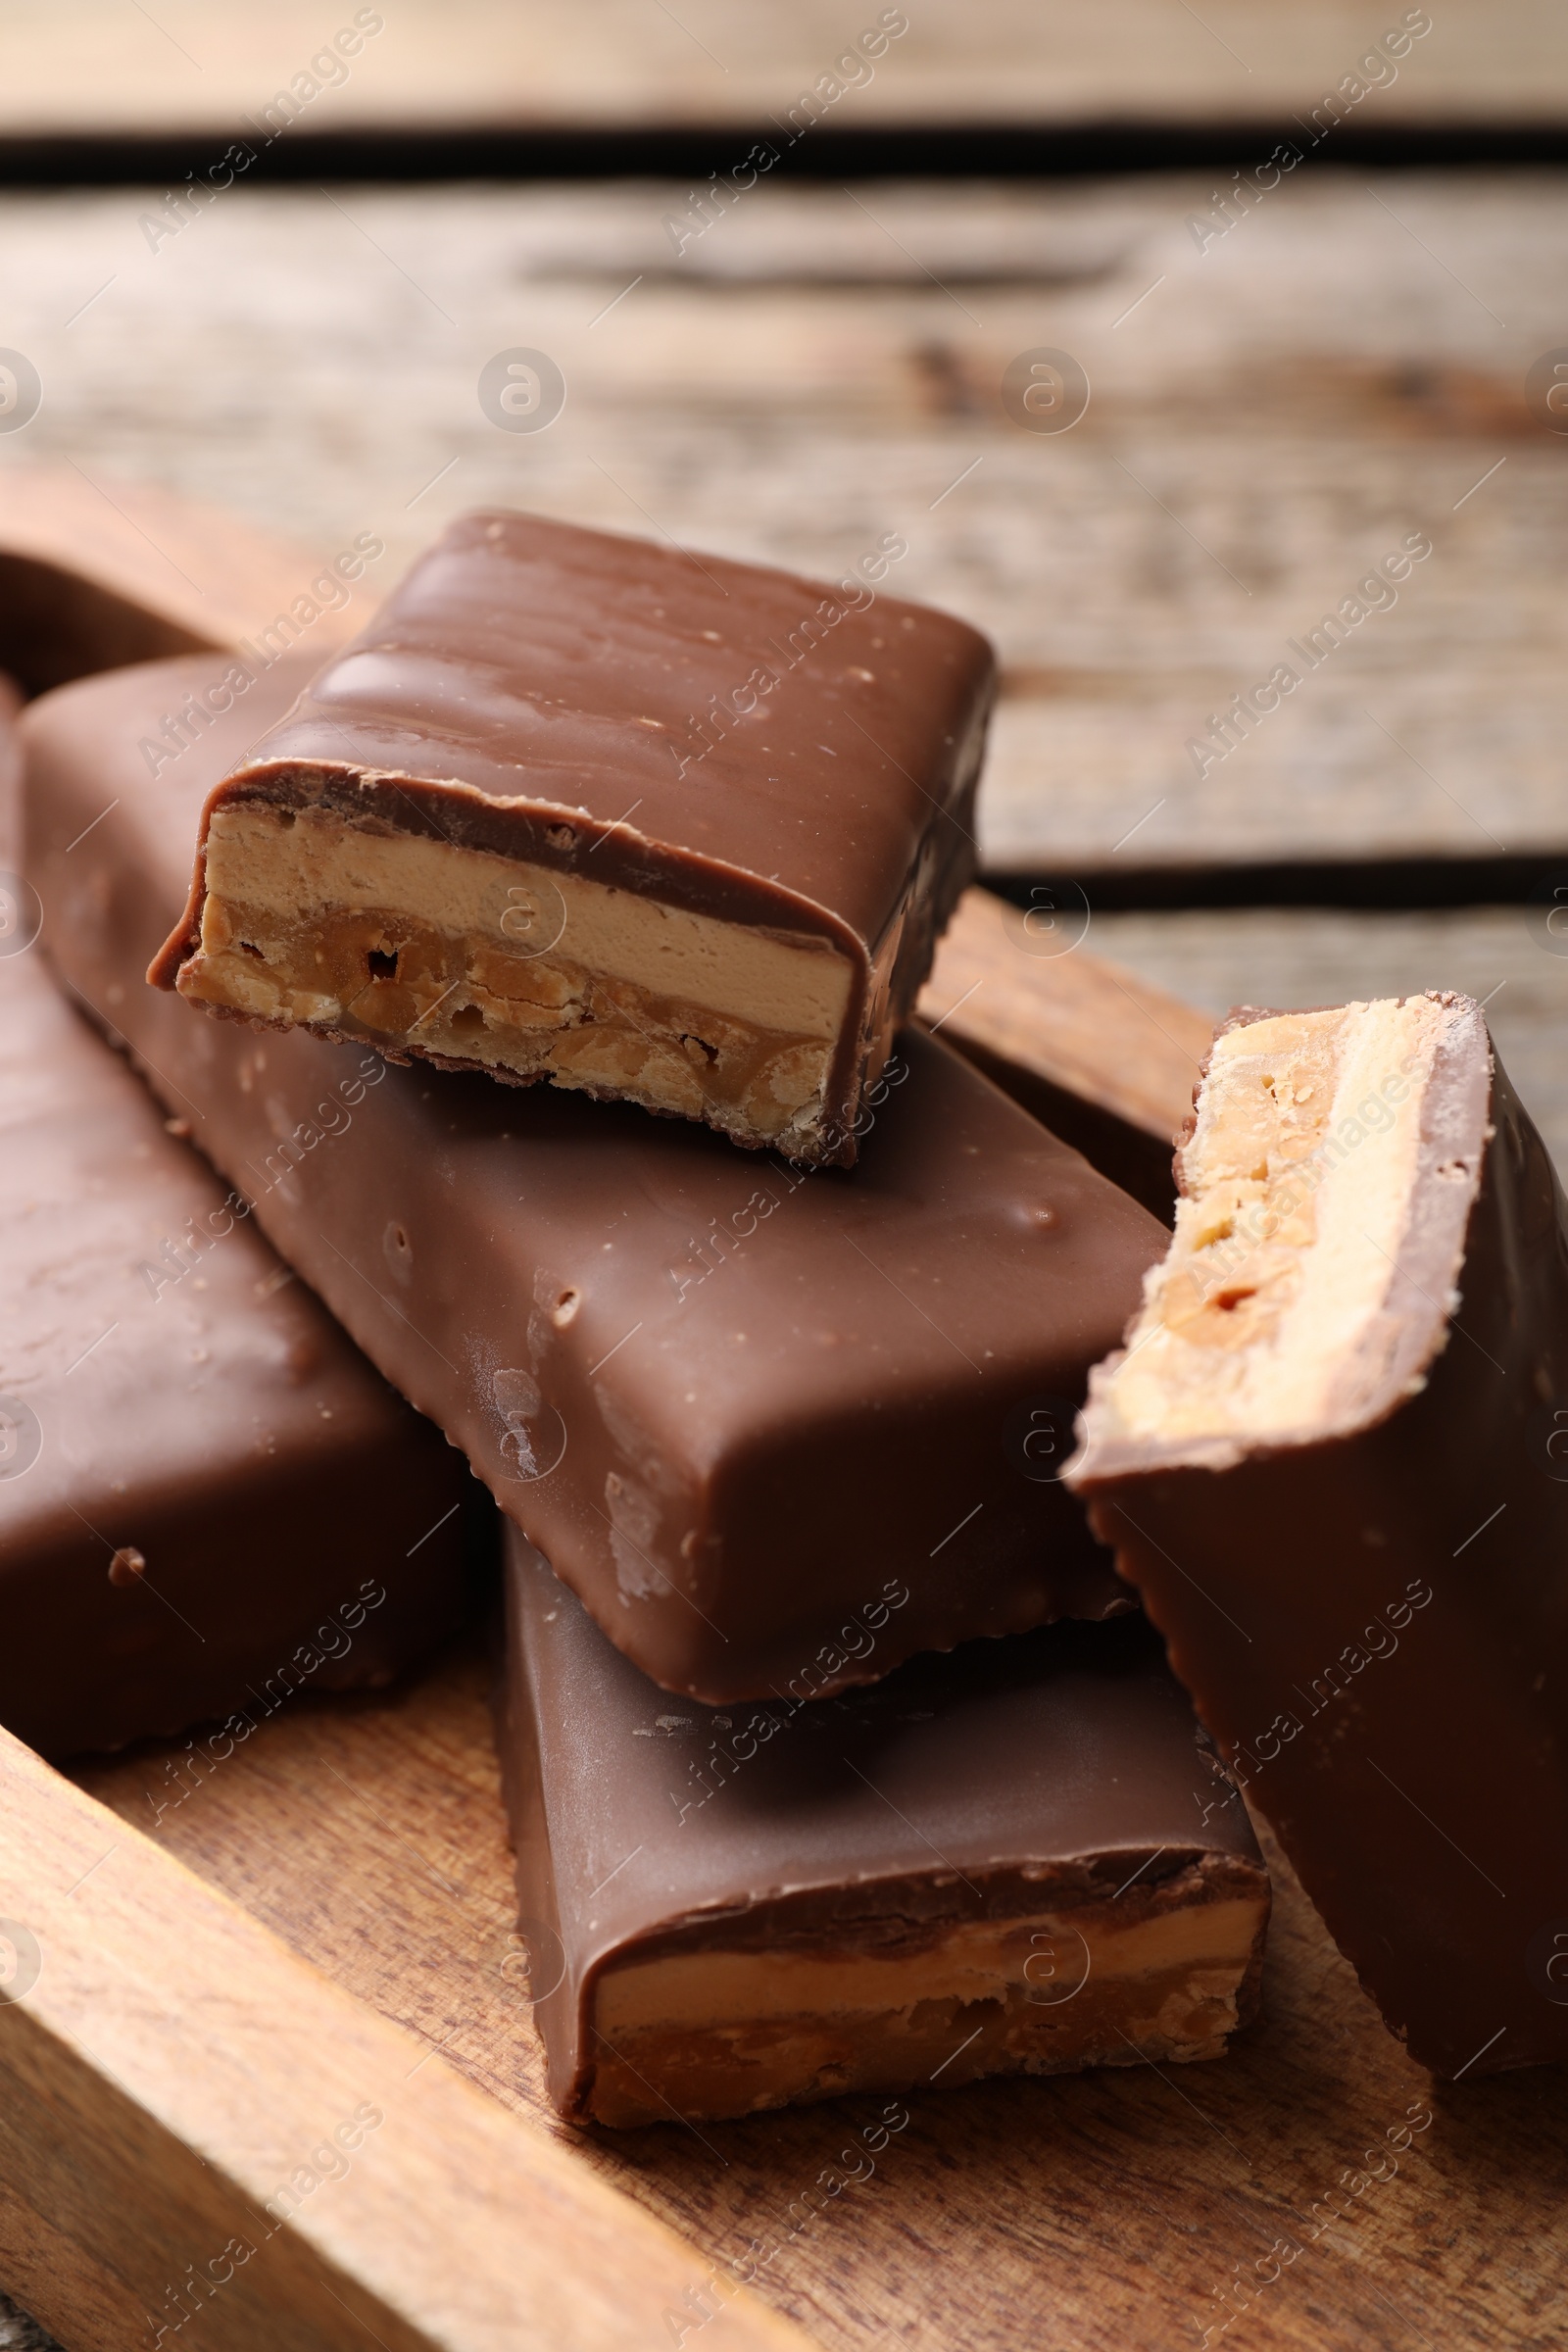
[
  {"x": 667, "y": 829},
  {"x": 1020, "y": 1858},
  {"x": 1335, "y": 1460}
]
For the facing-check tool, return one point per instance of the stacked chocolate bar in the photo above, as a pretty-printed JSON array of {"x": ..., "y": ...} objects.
[{"x": 838, "y": 1753}]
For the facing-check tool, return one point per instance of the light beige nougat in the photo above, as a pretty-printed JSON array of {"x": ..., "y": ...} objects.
[
  {"x": 313, "y": 921},
  {"x": 1273, "y": 1316}
]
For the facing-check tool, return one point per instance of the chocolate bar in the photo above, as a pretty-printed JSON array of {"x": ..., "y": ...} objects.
[
  {"x": 1333, "y": 1459},
  {"x": 988, "y": 1863},
  {"x": 208, "y": 1499},
  {"x": 675, "y": 831},
  {"x": 728, "y": 1398}
]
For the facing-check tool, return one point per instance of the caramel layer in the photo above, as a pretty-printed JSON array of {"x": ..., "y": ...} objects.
[
  {"x": 312, "y": 922},
  {"x": 727, "y": 2032}
]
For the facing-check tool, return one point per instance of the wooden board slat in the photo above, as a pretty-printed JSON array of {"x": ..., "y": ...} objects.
[
  {"x": 196, "y": 64},
  {"x": 194, "y": 2124},
  {"x": 95, "y": 573},
  {"x": 1013, "y": 989},
  {"x": 1268, "y": 418},
  {"x": 1014, "y": 982}
]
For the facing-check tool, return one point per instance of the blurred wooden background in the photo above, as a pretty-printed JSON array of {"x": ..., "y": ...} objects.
[{"x": 113, "y": 66}]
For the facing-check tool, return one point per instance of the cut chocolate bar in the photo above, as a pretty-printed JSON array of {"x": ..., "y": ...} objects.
[
  {"x": 1333, "y": 1457},
  {"x": 990, "y": 1863},
  {"x": 588, "y": 810},
  {"x": 727, "y": 1396},
  {"x": 208, "y": 1499}
]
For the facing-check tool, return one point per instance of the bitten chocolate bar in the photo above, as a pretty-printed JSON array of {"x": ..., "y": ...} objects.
[
  {"x": 583, "y": 809},
  {"x": 990, "y": 1863},
  {"x": 721, "y": 1392},
  {"x": 1333, "y": 1459},
  {"x": 208, "y": 1499}
]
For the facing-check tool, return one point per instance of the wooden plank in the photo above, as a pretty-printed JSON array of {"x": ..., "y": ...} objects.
[
  {"x": 94, "y": 574},
  {"x": 1015, "y": 989},
  {"x": 196, "y": 64},
  {"x": 1269, "y": 418},
  {"x": 1015, "y": 981},
  {"x": 211, "y": 2130}
]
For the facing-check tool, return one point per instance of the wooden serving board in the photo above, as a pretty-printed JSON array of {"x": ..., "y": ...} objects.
[{"x": 276, "y": 2040}]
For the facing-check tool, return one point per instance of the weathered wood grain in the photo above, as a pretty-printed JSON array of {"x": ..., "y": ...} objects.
[
  {"x": 214, "y": 67},
  {"x": 1268, "y": 418},
  {"x": 206, "y": 2130}
]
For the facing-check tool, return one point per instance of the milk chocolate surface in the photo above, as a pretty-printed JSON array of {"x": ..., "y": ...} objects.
[
  {"x": 994, "y": 1862},
  {"x": 593, "y": 810},
  {"x": 208, "y": 1499},
  {"x": 728, "y": 1396},
  {"x": 1334, "y": 1460}
]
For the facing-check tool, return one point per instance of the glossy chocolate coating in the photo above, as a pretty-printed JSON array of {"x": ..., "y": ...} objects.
[
  {"x": 202, "y": 1483},
  {"x": 1375, "y": 1628},
  {"x": 728, "y": 1398},
  {"x": 1006, "y": 1778},
  {"x": 546, "y": 692}
]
